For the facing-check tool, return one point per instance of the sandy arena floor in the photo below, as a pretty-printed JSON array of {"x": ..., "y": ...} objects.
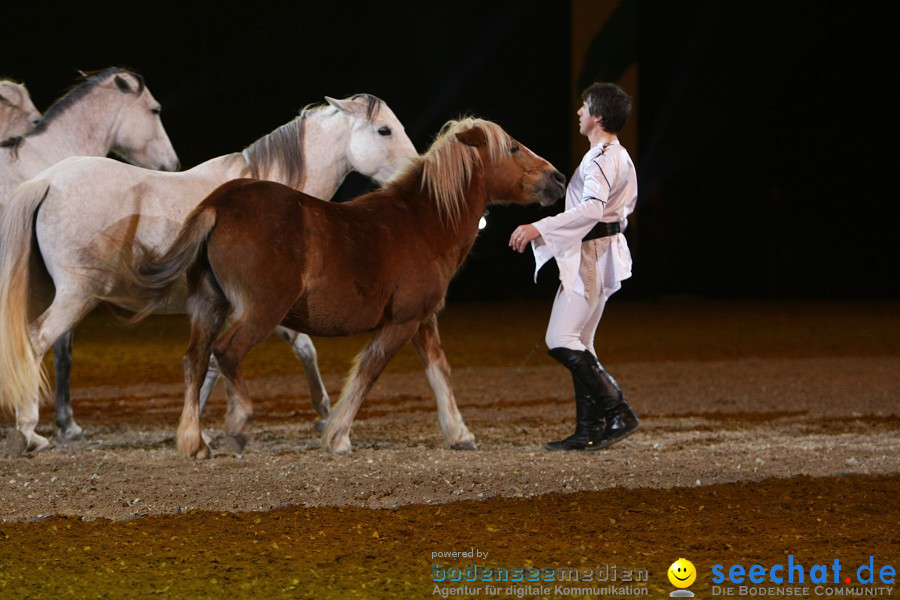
[{"x": 767, "y": 430}]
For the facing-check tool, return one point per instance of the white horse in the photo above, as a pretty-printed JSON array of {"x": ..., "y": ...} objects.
[
  {"x": 111, "y": 111},
  {"x": 87, "y": 213},
  {"x": 18, "y": 114}
]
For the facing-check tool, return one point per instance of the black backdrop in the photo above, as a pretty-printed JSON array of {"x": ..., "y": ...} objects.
[
  {"x": 763, "y": 132},
  {"x": 765, "y": 153}
]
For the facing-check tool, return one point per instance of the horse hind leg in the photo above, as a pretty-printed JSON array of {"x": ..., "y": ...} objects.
[
  {"x": 212, "y": 377},
  {"x": 303, "y": 349},
  {"x": 250, "y": 329},
  {"x": 230, "y": 353},
  {"x": 209, "y": 382},
  {"x": 368, "y": 366},
  {"x": 67, "y": 309},
  {"x": 427, "y": 343},
  {"x": 208, "y": 310},
  {"x": 66, "y": 427}
]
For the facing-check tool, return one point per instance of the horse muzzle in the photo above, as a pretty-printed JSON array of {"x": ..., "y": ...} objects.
[{"x": 553, "y": 189}]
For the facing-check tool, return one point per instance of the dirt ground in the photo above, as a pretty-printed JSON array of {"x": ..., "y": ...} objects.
[{"x": 767, "y": 430}]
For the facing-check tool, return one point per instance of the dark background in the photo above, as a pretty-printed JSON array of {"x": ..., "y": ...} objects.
[{"x": 763, "y": 128}]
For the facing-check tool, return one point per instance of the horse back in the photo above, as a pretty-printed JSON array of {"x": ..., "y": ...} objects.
[{"x": 343, "y": 268}]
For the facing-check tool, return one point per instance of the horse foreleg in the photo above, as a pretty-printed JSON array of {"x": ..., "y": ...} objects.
[
  {"x": 427, "y": 343},
  {"x": 67, "y": 428},
  {"x": 303, "y": 349},
  {"x": 367, "y": 367}
]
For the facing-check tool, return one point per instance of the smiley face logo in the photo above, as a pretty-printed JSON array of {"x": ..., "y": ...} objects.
[{"x": 682, "y": 573}]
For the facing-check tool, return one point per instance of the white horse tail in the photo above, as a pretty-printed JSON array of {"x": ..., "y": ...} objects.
[
  {"x": 21, "y": 373},
  {"x": 151, "y": 278}
]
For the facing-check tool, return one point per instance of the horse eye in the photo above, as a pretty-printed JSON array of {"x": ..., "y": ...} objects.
[
  {"x": 384, "y": 130},
  {"x": 513, "y": 149},
  {"x": 156, "y": 110}
]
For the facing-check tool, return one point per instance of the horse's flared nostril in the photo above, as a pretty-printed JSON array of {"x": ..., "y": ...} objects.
[{"x": 559, "y": 178}]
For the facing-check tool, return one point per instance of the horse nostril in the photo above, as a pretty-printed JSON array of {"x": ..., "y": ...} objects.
[{"x": 559, "y": 178}]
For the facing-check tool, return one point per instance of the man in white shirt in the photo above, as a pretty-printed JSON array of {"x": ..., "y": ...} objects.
[{"x": 593, "y": 259}]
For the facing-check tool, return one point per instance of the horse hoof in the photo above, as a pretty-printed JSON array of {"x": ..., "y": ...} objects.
[
  {"x": 201, "y": 452},
  {"x": 320, "y": 425},
  {"x": 38, "y": 443},
  {"x": 234, "y": 444},
  {"x": 16, "y": 444},
  {"x": 341, "y": 448},
  {"x": 464, "y": 445},
  {"x": 71, "y": 433}
]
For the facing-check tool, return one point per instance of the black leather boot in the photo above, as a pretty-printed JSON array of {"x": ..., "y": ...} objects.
[
  {"x": 587, "y": 369},
  {"x": 620, "y": 423},
  {"x": 592, "y": 396},
  {"x": 589, "y": 426},
  {"x": 610, "y": 407}
]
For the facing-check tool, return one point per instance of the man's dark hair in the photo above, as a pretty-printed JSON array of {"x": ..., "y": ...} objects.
[{"x": 609, "y": 101}]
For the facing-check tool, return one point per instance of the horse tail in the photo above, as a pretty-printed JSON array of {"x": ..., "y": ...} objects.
[
  {"x": 151, "y": 278},
  {"x": 21, "y": 372}
]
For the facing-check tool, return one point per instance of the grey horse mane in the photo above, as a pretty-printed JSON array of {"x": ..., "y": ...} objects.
[
  {"x": 284, "y": 146},
  {"x": 71, "y": 97}
]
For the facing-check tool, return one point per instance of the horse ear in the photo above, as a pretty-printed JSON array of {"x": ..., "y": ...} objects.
[
  {"x": 10, "y": 93},
  {"x": 472, "y": 137},
  {"x": 122, "y": 85},
  {"x": 347, "y": 106}
]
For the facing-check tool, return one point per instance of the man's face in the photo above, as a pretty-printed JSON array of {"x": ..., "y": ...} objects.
[{"x": 586, "y": 122}]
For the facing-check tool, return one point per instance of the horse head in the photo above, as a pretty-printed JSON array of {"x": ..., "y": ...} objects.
[
  {"x": 379, "y": 146},
  {"x": 18, "y": 114},
  {"x": 512, "y": 172},
  {"x": 139, "y": 136}
]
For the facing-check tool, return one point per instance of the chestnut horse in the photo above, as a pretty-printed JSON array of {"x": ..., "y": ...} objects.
[{"x": 258, "y": 254}]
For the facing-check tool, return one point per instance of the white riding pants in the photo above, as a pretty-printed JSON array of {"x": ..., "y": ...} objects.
[{"x": 574, "y": 319}]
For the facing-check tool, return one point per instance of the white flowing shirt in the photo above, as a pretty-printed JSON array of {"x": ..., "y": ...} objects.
[{"x": 603, "y": 188}]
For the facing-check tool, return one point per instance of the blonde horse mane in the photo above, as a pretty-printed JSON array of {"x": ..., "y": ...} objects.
[
  {"x": 448, "y": 164},
  {"x": 283, "y": 147}
]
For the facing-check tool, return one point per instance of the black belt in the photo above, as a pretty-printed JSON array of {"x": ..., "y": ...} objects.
[{"x": 602, "y": 229}]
